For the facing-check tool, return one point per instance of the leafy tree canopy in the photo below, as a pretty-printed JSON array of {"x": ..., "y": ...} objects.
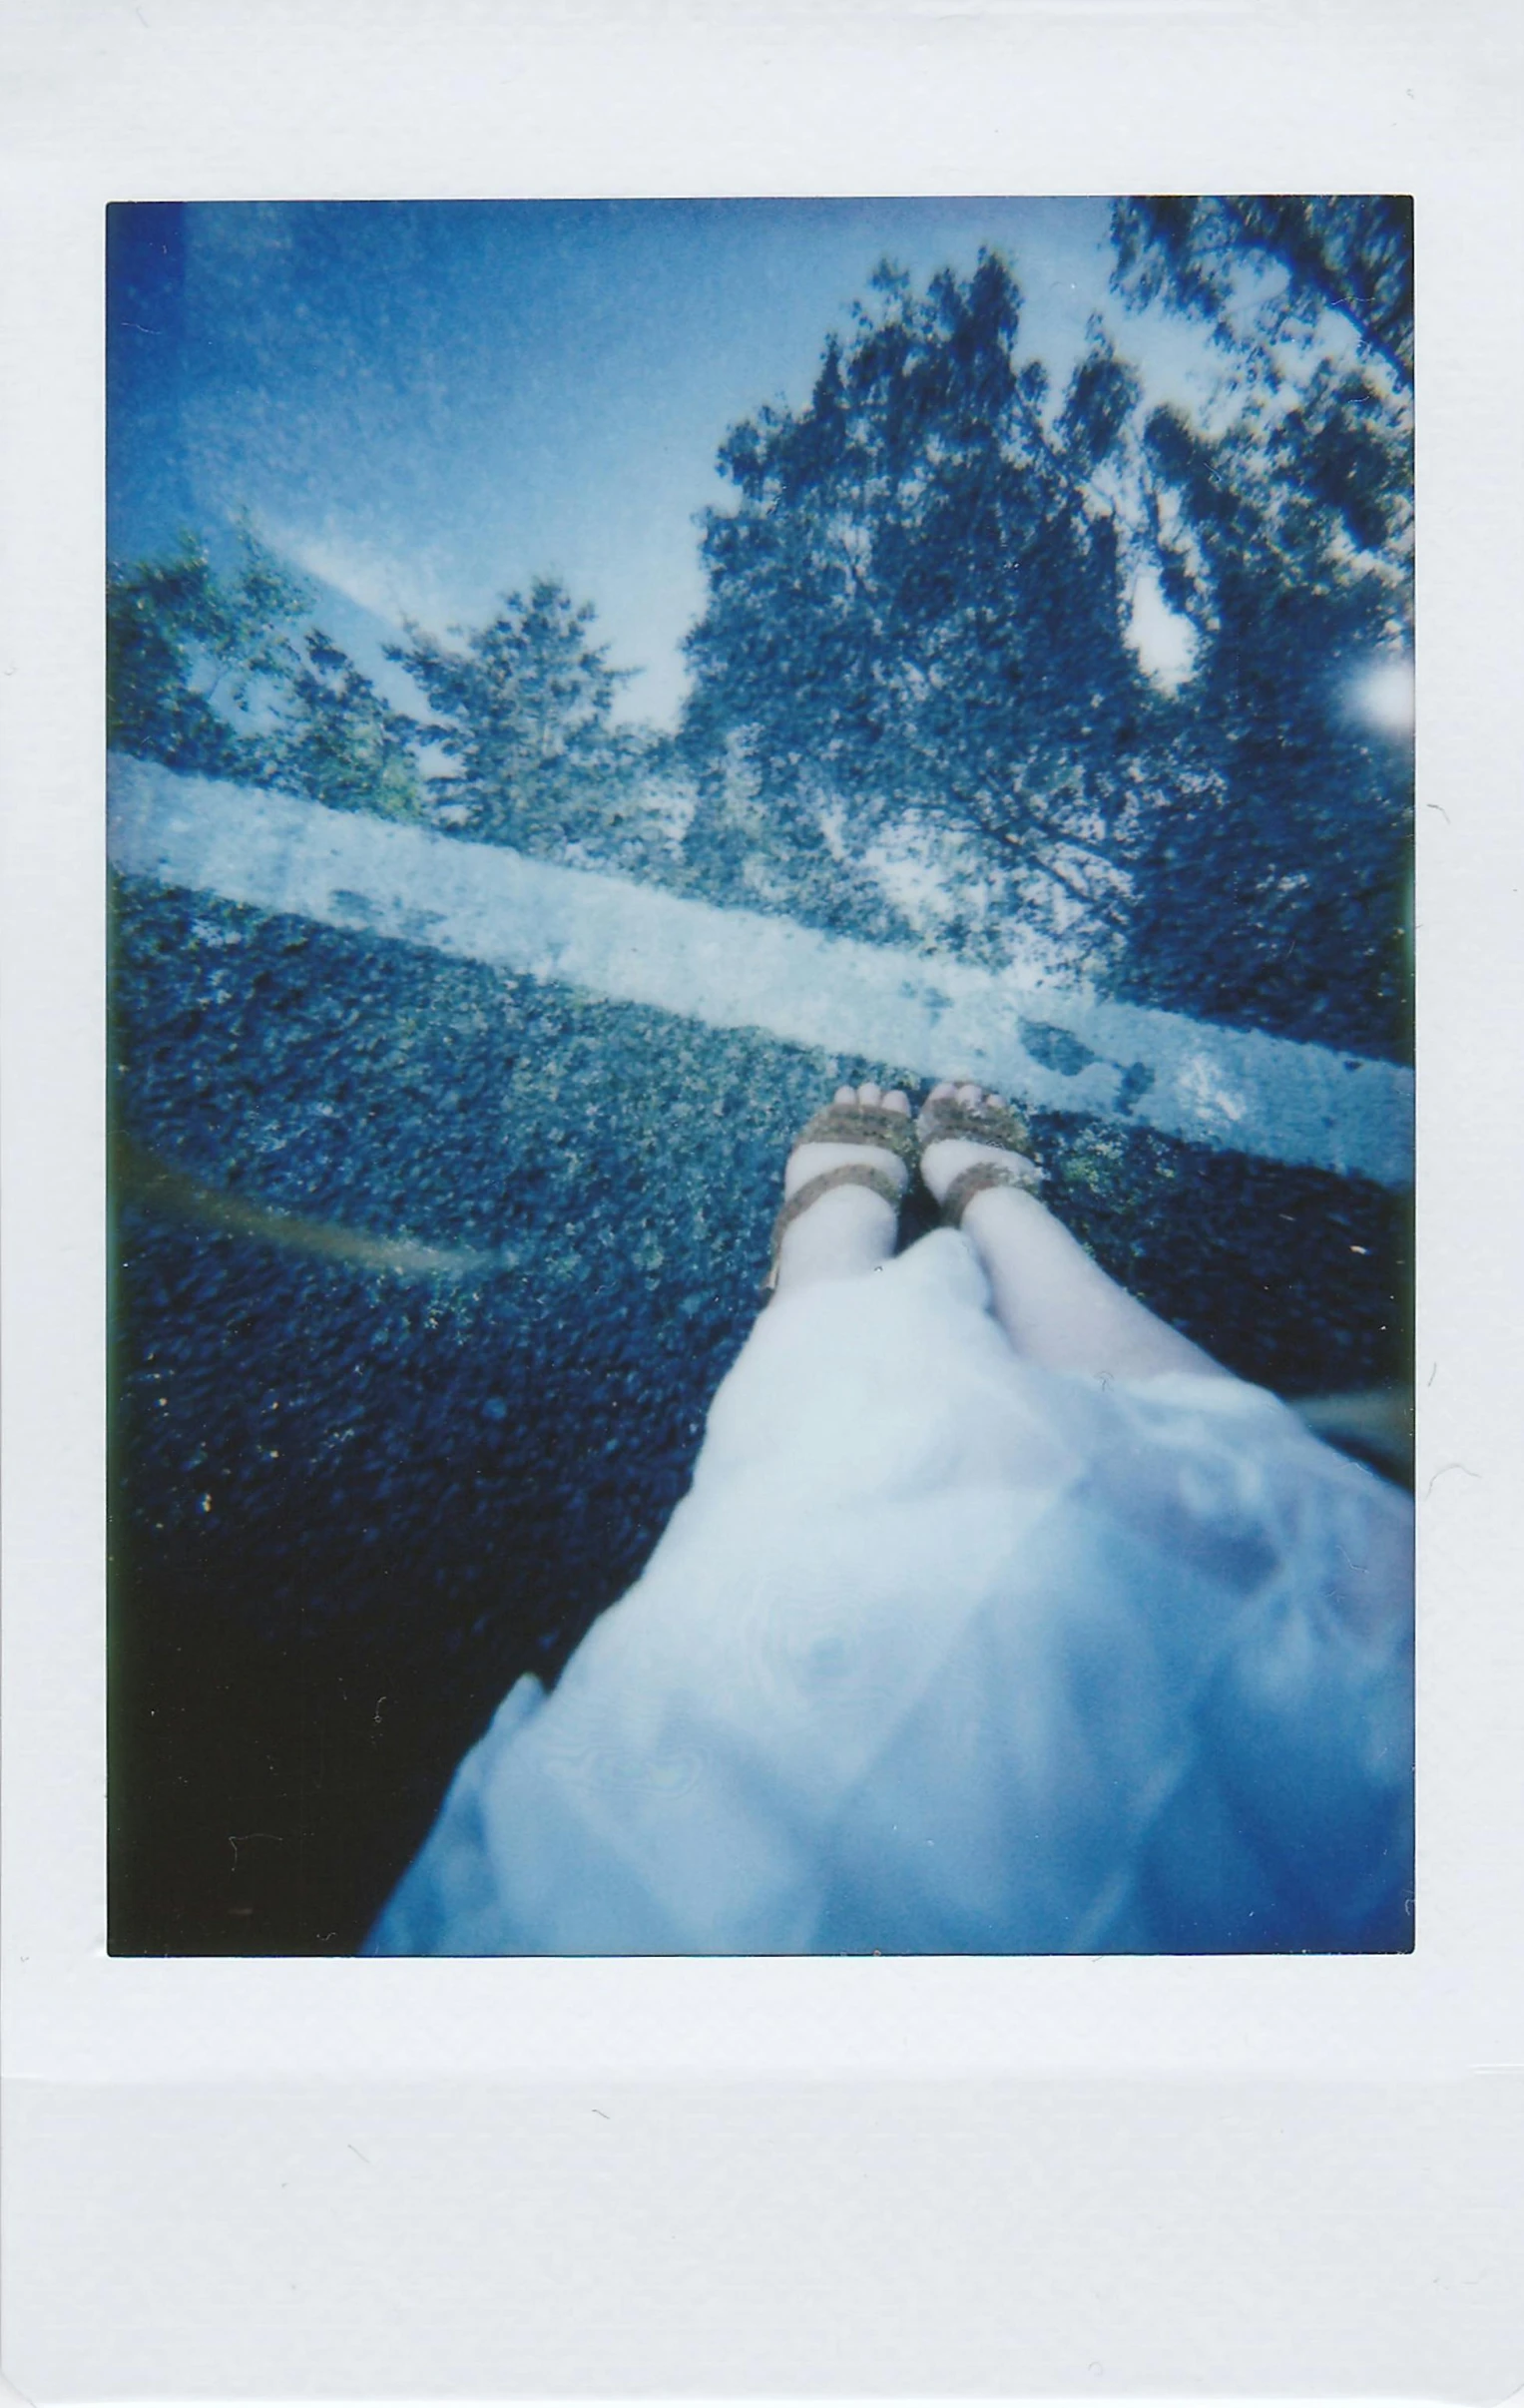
[
  {"x": 188, "y": 653},
  {"x": 916, "y": 658},
  {"x": 341, "y": 742},
  {"x": 1269, "y": 884},
  {"x": 1351, "y": 256},
  {"x": 227, "y": 677},
  {"x": 916, "y": 601},
  {"x": 918, "y": 618}
]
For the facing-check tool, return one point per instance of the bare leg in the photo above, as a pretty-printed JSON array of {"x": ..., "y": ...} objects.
[
  {"x": 1057, "y": 1306},
  {"x": 848, "y": 1230}
]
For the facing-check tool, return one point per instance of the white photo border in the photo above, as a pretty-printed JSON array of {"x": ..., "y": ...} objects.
[{"x": 373, "y": 98}]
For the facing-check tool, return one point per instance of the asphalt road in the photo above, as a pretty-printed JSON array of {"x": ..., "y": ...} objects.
[{"x": 426, "y": 1274}]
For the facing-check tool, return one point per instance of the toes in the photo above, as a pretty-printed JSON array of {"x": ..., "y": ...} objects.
[
  {"x": 970, "y": 1094},
  {"x": 895, "y": 1098},
  {"x": 867, "y": 1093},
  {"x": 845, "y": 1095},
  {"x": 941, "y": 1091}
]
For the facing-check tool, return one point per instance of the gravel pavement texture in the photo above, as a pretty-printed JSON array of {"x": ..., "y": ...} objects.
[{"x": 425, "y": 1276}]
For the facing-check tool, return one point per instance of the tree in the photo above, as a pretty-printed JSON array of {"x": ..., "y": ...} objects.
[
  {"x": 525, "y": 708},
  {"x": 225, "y": 677},
  {"x": 1269, "y": 882},
  {"x": 190, "y": 655},
  {"x": 916, "y": 611},
  {"x": 229, "y": 677},
  {"x": 1353, "y": 256},
  {"x": 337, "y": 740}
]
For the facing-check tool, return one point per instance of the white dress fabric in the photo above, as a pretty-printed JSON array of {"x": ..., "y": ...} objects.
[{"x": 947, "y": 1653}]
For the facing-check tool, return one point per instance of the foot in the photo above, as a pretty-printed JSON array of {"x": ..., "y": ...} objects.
[
  {"x": 944, "y": 1159},
  {"x": 1057, "y": 1306},
  {"x": 848, "y": 1229}
]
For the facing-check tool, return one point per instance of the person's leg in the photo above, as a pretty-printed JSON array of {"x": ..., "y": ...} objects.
[
  {"x": 1057, "y": 1306},
  {"x": 848, "y": 1229}
]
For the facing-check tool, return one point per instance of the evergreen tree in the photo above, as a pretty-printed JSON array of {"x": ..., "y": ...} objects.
[
  {"x": 338, "y": 743},
  {"x": 525, "y": 708}
]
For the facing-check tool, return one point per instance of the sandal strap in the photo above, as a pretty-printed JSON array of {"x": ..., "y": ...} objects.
[
  {"x": 864, "y": 1124},
  {"x": 978, "y": 1178},
  {"x": 986, "y": 1124},
  {"x": 845, "y": 1175}
]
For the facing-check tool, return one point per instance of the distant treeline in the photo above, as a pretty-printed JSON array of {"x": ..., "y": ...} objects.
[{"x": 916, "y": 707}]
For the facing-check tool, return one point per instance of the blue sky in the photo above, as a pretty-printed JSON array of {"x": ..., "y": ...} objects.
[{"x": 425, "y": 404}]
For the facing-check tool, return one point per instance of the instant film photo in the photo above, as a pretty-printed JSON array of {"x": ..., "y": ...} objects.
[{"x": 762, "y": 1097}]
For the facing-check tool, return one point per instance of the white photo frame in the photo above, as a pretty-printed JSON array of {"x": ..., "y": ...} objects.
[{"x": 285, "y": 2178}]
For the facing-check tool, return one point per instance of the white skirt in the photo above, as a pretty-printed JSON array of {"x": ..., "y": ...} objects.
[{"x": 945, "y": 1652}]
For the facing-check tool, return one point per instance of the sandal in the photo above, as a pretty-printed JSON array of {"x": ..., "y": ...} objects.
[
  {"x": 985, "y": 1124},
  {"x": 847, "y": 1124}
]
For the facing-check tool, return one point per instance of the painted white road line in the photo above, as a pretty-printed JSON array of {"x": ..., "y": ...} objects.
[{"x": 1057, "y": 1048}]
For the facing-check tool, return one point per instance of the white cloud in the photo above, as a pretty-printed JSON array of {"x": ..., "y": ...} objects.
[{"x": 389, "y": 589}]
